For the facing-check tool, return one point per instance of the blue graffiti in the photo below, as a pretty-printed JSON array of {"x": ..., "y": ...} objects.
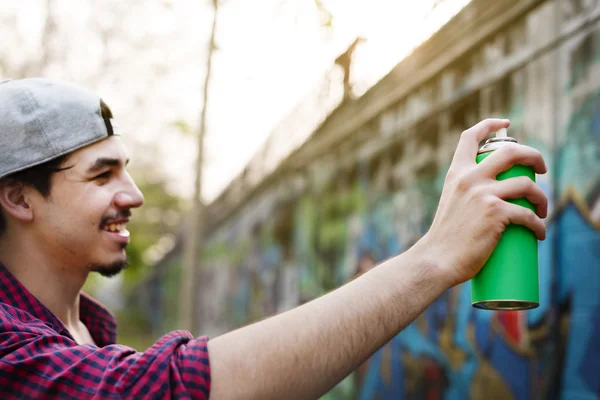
[
  {"x": 579, "y": 284},
  {"x": 578, "y": 244}
]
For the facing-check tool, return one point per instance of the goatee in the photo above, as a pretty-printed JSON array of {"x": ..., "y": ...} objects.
[{"x": 109, "y": 270}]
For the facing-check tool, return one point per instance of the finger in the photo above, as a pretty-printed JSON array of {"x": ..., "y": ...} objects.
[
  {"x": 524, "y": 216},
  {"x": 511, "y": 154},
  {"x": 466, "y": 151},
  {"x": 522, "y": 187}
]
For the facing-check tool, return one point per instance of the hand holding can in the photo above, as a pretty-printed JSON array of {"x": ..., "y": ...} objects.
[{"x": 473, "y": 212}]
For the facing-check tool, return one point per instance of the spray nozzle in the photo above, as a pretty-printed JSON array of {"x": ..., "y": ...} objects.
[{"x": 501, "y": 133}]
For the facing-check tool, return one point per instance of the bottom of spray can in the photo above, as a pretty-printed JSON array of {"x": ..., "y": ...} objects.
[{"x": 505, "y": 305}]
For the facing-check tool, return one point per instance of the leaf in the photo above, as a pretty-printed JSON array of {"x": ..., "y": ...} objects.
[
  {"x": 183, "y": 127},
  {"x": 325, "y": 15}
]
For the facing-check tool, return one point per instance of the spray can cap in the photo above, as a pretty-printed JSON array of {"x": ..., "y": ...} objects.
[{"x": 496, "y": 142}]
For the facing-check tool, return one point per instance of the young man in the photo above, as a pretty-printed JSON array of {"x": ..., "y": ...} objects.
[{"x": 65, "y": 199}]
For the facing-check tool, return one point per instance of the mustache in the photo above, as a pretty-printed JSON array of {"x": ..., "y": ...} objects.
[{"x": 111, "y": 217}]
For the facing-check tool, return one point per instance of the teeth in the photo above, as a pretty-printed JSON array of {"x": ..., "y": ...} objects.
[{"x": 115, "y": 227}]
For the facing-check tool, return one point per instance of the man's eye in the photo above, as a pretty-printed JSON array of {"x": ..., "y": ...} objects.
[{"x": 104, "y": 175}]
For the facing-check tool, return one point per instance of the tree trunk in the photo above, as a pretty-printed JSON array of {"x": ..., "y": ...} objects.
[{"x": 193, "y": 241}]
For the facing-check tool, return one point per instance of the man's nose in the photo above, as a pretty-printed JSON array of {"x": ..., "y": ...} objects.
[{"x": 129, "y": 197}]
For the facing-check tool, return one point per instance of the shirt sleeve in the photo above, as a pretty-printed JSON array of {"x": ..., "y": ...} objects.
[{"x": 53, "y": 366}]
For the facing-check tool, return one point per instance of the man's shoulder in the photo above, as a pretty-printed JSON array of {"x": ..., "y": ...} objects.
[
  {"x": 23, "y": 337},
  {"x": 15, "y": 319}
]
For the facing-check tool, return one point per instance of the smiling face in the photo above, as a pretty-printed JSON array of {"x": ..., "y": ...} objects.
[{"x": 83, "y": 220}]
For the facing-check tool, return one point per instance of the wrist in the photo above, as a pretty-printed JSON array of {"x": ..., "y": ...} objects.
[{"x": 434, "y": 261}]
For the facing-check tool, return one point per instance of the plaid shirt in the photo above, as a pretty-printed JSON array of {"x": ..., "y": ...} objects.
[{"x": 39, "y": 359}]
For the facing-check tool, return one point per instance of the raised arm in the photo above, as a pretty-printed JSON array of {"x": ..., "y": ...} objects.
[{"x": 303, "y": 353}]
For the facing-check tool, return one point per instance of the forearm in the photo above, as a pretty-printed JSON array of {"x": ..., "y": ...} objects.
[{"x": 303, "y": 353}]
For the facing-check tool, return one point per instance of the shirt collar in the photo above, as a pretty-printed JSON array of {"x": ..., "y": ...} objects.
[{"x": 100, "y": 321}]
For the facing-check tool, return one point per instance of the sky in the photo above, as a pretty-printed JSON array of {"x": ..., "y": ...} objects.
[
  {"x": 271, "y": 54},
  {"x": 285, "y": 51}
]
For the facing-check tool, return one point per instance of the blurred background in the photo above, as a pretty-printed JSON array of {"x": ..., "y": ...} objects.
[{"x": 325, "y": 129}]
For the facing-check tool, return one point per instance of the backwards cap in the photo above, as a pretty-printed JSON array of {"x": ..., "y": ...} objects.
[{"x": 42, "y": 119}]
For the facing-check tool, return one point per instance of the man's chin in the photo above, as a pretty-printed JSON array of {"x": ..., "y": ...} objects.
[{"x": 109, "y": 270}]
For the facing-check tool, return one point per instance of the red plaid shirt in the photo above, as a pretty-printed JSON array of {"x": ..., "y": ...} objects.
[{"x": 39, "y": 359}]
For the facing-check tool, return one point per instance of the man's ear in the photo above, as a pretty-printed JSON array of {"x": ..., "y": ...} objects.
[{"x": 14, "y": 200}]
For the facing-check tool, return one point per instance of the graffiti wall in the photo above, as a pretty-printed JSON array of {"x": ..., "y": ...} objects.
[{"x": 355, "y": 206}]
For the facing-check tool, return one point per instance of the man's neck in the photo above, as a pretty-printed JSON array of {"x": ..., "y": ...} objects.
[{"x": 50, "y": 281}]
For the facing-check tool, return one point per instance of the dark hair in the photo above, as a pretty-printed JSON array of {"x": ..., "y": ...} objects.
[{"x": 39, "y": 176}]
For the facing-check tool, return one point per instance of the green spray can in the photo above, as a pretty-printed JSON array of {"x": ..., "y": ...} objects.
[{"x": 509, "y": 279}]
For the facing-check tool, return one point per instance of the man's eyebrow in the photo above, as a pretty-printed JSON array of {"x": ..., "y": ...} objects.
[{"x": 104, "y": 162}]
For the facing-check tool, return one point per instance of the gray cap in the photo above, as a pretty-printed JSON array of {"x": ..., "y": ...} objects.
[{"x": 41, "y": 119}]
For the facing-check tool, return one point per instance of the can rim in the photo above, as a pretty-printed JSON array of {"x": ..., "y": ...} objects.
[
  {"x": 494, "y": 143},
  {"x": 505, "y": 305}
]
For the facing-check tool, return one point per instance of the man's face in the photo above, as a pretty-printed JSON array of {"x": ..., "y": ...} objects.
[{"x": 83, "y": 220}]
